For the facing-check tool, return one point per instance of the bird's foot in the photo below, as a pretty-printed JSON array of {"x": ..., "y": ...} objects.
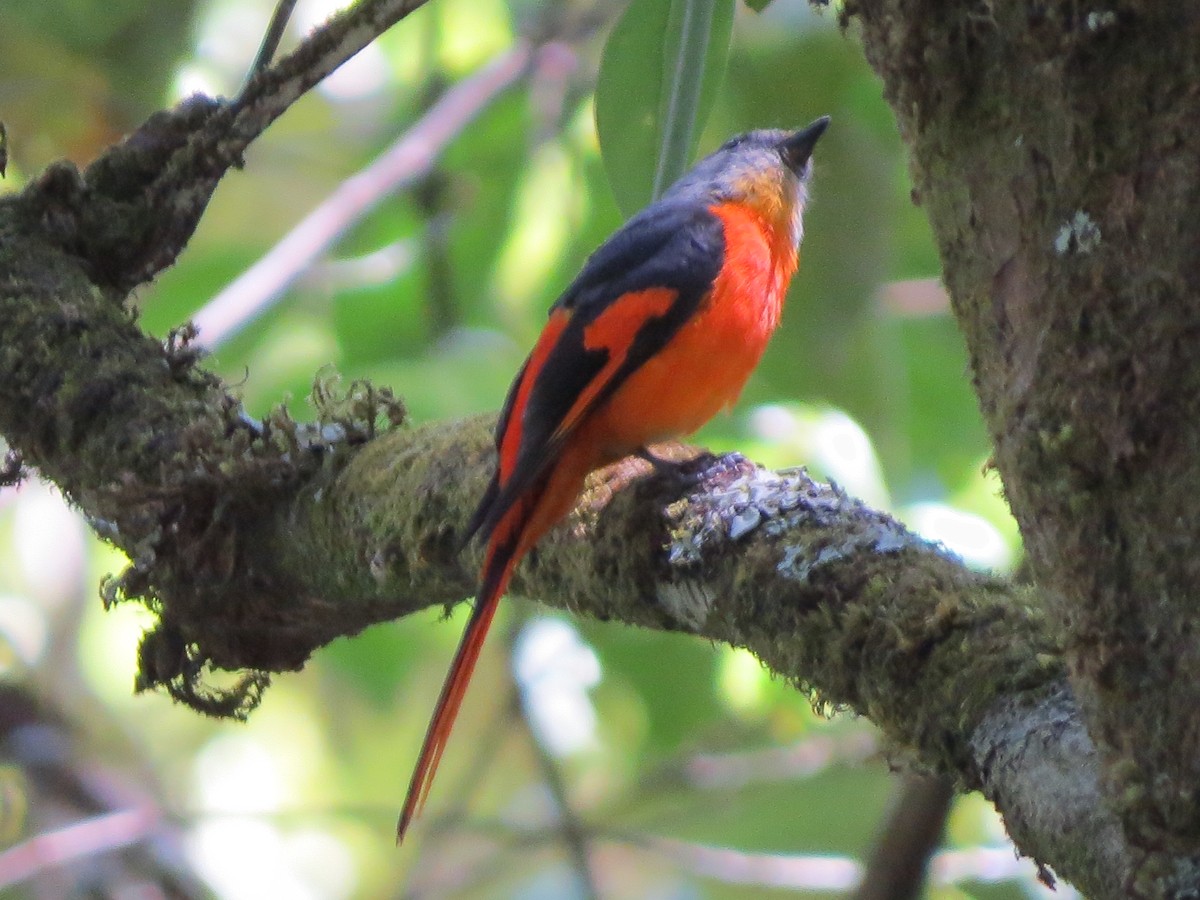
[{"x": 680, "y": 476}]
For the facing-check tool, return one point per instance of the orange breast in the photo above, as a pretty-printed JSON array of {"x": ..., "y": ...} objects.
[{"x": 704, "y": 367}]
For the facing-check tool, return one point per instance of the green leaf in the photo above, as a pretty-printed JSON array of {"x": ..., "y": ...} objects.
[
  {"x": 758, "y": 5},
  {"x": 659, "y": 75}
]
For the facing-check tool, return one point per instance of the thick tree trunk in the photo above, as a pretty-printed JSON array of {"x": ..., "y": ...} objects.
[{"x": 1056, "y": 149}]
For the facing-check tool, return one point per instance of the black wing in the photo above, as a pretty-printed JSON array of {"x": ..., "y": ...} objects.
[{"x": 679, "y": 246}]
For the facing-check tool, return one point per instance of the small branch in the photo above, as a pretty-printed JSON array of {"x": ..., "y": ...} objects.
[
  {"x": 137, "y": 205},
  {"x": 778, "y": 871},
  {"x": 408, "y": 159},
  {"x": 733, "y": 771},
  {"x": 489, "y": 747},
  {"x": 109, "y": 810},
  {"x": 72, "y": 843},
  {"x": 433, "y": 200},
  {"x": 271, "y": 39},
  {"x": 574, "y": 833},
  {"x": 812, "y": 872},
  {"x": 899, "y": 863},
  {"x": 271, "y": 92},
  {"x": 775, "y": 870},
  {"x": 441, "y": 881},
  {"x": 804, "y": 759}
]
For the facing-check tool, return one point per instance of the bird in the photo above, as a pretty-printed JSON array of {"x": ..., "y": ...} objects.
[{"x": 659, "y": 332}]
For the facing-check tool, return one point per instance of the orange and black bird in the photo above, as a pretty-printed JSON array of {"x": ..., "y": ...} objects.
[{"x": 656, "y": 335}]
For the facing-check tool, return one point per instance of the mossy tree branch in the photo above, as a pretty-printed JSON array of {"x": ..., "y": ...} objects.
[{"x": 153, "y": 449}]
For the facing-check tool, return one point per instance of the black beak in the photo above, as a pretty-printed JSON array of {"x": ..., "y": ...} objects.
[{"x": 799, "y": 147}]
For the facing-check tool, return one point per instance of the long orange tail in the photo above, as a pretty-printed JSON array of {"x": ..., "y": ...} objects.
[
  {"x": 527, "y": 519},
  {"x": 497, "y": 569}
]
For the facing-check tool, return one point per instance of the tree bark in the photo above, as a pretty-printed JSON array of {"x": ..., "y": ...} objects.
[{"x": 1056, "y": 148}]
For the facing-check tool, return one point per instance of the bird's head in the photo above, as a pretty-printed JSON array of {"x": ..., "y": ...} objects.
[{"x": 767, "y": 170}]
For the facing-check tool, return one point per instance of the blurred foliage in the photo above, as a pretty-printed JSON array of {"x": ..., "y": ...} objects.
[
  {"x": 76, "y": 75},
  {"x": 650, "y": 106},
  {"x": 438, "y": 293}
]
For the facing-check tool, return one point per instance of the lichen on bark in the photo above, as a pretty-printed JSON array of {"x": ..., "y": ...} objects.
[{"x": 1056, "y": 149}]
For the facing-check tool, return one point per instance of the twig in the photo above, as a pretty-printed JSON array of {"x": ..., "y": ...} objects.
[
  {"x": 991, "y": 865},
  {"x": 90, "y": 837},
  {"x": 270, "y": 41},
  {"x": 489, "y": 749},
  {"x": 567, "y": 828},
  {"x": 431, "y": 196},
  {"x": 779, "y": 871},
  {"x": 736, "y": 770},
  {"x": 271, "y": 91},
  {"x": 574, "y": 834},
  {"x": 803, "y": 759},
  {"x": 161, "y": 177},
  {"x": 898, "y": 866},
  {"x": 409, "y": 158}
]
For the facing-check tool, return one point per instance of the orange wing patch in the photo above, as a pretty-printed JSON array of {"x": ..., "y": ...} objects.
[
  {"x": 614, "y": 331},
  {"x": 702, "y": 369},
  {"x": 510, "y": 445}
]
